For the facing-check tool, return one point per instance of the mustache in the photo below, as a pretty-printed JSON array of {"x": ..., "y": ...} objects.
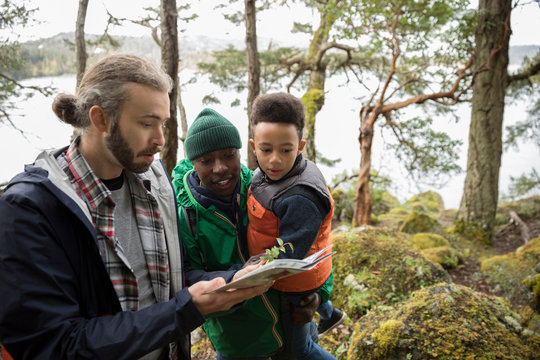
[{"x": 152, "y": 150}]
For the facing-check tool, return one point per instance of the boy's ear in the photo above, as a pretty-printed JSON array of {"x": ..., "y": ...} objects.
[
  {"x": 99, "y": 119},
  {"x": 252, "y": 143},
  {"x": 301, "y": 147}
]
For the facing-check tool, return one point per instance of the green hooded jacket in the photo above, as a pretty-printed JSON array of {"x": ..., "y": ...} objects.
[{"x": 251, "y": 328}]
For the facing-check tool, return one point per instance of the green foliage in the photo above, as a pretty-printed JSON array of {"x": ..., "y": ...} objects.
[
  {"x": 273, "y": 253},
  {"x": 522, "y": 185},
  {"x": 528, "y": 90},
  {"x": 54, "y": 59},
  {"x": 210, "y": 99},
  {"x": 232, "y": 10},
  {"x": 326, "y": 161},
  {"x": 415, "y": 37},
  {"x": 430, "y": 156},
  {"x": 424, "y": 29},
  {"x": 228, "y": 69},
  {"x": 13, "y": 15},
  {"x": 343, "y": 191}
]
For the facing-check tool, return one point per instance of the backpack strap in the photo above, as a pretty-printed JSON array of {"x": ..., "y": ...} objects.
[{"x": 191, "y": 221}]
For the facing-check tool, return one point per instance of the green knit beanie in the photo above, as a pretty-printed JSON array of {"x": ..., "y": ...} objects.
[{"x": 210, "y": 132}]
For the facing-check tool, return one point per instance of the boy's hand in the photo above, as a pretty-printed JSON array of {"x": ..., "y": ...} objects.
[
  {"x": 221, "y": 300},
  {"x": 303, "y": 313}
]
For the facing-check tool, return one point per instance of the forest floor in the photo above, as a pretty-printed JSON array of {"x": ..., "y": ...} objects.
[{"x": 506, "y": 240}]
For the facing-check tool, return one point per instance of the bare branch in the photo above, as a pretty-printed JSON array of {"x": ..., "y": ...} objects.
[
  {"x": 396, "y": 52},
  {"x": 524, "y": 229},
  {"x": 399, "y": 135},
  {"x": 343, "y": 179},
  {"x": 145, "y": 22},
  {"x": 451, "y": 94},
  {"x": 291, "y": 83},
  {"x": 5, "y": 117},
  {"x": 45, "y": 90},
  {"x": 401, "y": 86}
]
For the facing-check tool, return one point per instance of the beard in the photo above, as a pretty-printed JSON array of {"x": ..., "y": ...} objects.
[{"x": 117, "y": 144}]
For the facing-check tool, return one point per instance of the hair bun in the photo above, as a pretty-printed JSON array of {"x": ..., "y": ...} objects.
[{"x": 64, "y": 106}]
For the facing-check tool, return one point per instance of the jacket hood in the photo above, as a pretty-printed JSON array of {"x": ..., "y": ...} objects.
[{"x": 46, "y": 172}]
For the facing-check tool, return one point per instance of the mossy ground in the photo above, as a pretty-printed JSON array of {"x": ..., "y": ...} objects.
[
  {"x": 374, "y": 266},
  {"x": 444, "y": 321},
  {"x": 389, "y": 286},
  {"x": 507, "y": 272}
]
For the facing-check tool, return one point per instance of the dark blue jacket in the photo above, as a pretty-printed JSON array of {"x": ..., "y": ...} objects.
[{"x": 57, "y": 300}]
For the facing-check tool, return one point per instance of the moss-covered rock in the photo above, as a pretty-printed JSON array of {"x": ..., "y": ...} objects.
[
  {"x": 429, "y": 240},
  {"x": 472, "y": 232},
  {"x": 446, "y": 256},
  {"x": 533, "y": 284},
  {"x": 530, "y": 320},
  {"x": 373, "y": 266},
  {"x": 507, "y": 272},
  {"x": 418, "y": 223},
  {"x": 343, "y": 205},
  {"x": 426, "y": 202},
  {"x": 393, "y": 219},
  {"x": 444, "y": 321},
  {"x": 383, "y": 202}
]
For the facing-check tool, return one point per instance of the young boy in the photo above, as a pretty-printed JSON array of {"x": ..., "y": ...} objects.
[{"x": 289, "y": 199}]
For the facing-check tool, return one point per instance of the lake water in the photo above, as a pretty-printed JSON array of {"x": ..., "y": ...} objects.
[{"x": 336, "y": 135}]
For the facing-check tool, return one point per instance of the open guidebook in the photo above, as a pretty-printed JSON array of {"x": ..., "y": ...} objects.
[{"x": 276, "y": 269}]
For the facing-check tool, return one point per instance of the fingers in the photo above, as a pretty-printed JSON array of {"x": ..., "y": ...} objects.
[
  {"x": 248, "y": 293},
  {"x": 245, "y": 270},
  {"x": 221, "y": 300}
]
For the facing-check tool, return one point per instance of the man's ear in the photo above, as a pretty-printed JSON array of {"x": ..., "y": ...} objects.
[
  {"x": 301, "y": 147},
  {"x": 252, "y": 143},
  {"x": 99, "y": 119}
]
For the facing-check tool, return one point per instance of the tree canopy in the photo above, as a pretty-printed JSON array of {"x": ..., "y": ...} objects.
[{"x": 10, "y": 60}]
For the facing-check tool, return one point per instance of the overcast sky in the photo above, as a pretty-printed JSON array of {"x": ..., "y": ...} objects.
[{"x": 59, "y": 16}]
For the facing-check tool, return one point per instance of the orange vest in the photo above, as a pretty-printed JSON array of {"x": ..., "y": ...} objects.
[{"x": 264, "y": 224}]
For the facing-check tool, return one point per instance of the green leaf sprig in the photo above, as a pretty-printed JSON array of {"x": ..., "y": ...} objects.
[{"x": 273, "y": 253}]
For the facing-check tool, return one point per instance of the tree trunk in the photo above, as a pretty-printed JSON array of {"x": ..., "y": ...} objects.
[
  {"x": 169, "y": 62},
  {"x": 481, "y": 190},
  {"x": 254, "y": 71},
  {"x": 183, "y": 117},
  {"x": 80, "y": 42},
  {"x": 363, "y": 200},
  {"x": 314, "y": 96},
  {"x": 80, "y": 45},
  {"x": 314, "y": 100}
]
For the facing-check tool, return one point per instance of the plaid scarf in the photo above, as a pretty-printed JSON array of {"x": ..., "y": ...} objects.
[{"x": 147, "y": 215}]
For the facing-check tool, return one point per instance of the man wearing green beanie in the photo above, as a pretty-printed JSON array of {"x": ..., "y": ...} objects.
[
  {"x": 211, "y": 188},
  {"x": 210, "y": 132}
]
